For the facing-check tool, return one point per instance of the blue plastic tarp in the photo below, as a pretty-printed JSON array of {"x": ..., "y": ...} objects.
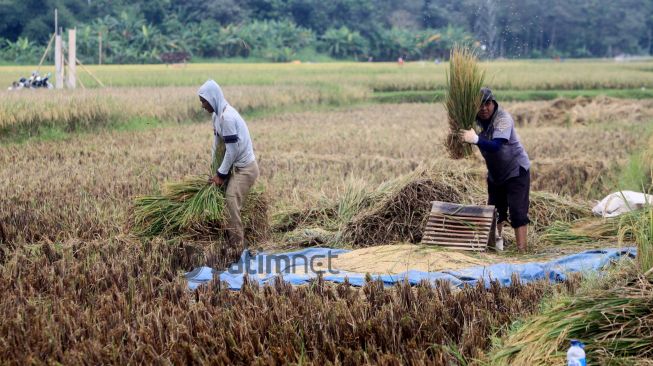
[{"x": 300, "y": 267}]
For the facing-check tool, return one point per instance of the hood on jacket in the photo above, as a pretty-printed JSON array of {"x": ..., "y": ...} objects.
[{"x": 212, "y": 92}]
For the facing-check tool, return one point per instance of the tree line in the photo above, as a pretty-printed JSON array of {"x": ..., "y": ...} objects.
[{"x": 280, "y": 30}]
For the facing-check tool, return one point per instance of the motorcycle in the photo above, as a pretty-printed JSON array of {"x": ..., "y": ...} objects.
[{"x": 35, "y": 81}]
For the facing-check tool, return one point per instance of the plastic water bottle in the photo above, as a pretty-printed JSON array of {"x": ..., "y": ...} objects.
[{"x": 576, "y": 354}]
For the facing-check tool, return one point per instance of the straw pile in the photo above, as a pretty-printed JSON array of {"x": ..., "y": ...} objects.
[
  {"x": 196, "y": 207},
  {"x": 580, "y": 177},
  {"x": 580, "y": 110},
  {"x": 311, "y": 236},
  {"x": 397, "y": 211},
  {"x": 400, "y": 209},
  {"x": 547, "y": 208},
  {"x": 463, "y": 98},
  {"x": 292, "y": 219},
  {"x": 324, "y": 222}
]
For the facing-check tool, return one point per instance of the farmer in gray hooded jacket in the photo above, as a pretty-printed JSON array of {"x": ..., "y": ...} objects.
[
  {"x": 238, "y": 169},
  {"x": 508, "y": 166}
]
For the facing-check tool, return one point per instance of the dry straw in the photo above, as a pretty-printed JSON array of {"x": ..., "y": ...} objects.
[
  {"x": 398, "y": 210},
  {"x": 119, "y": 302},
  {"x": 463, "y": 98}
]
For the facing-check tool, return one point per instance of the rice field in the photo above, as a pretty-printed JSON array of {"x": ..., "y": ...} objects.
[
  {"x": 506, "y": 75},
  {"x": 85, "y": 182},
  {"x": 332, "y": 161}
]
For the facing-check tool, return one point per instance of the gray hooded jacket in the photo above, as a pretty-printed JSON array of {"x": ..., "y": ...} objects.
[{"x": 229, "y": 126}]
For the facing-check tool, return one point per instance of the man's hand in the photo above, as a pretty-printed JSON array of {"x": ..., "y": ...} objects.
[
  {"x": 469, "y": 136},
  {"x": 216, "y": 180}
]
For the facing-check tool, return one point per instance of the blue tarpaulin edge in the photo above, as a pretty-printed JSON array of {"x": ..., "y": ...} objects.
[{"x": 295, "y": 267}]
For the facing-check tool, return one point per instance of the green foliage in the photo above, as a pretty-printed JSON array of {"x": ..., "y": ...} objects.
[
  {"x": 343, "y": 43},
  {"x": 21, "y": 51},
  {"x": 140, "y": 31}
]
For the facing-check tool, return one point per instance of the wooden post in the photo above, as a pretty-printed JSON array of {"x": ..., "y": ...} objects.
[
  {"x": 99, "y": 36},
  {"x": 72, "y": 58},
  {"x": 58, "y": 60}
]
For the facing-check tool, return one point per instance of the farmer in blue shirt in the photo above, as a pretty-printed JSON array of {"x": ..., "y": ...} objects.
[{"x": 508, "y": 178}]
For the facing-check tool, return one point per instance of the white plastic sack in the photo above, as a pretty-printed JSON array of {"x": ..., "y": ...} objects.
[{"x": 620, "y": 202}]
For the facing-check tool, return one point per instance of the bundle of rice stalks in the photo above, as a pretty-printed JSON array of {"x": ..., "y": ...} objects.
[
  {"x": 463, "y": 98},
  {"x": 399, "y": 209},
  {"x": 614, "y": 323},
  {"x": 182, "y": 206},
  {"x": 196, "y": 207},
  {"x": 560, "y": 233}
]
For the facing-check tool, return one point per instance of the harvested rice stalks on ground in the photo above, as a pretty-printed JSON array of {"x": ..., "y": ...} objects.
[
  {"x": 547, "y": 208},
  {"x": 621, "y": 229},
  {"x": 463, "y": 98},
  {"x": 639, "y": 227},
  {"x": 615, "y": 322}
]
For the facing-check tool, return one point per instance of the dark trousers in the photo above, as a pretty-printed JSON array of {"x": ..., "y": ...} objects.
[{"x": 511, "y": 197}]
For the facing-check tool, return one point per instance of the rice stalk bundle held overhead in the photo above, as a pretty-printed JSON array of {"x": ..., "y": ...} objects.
[
  {"x": 196, "y": 207},
  {"x": 463, "y": 98}
]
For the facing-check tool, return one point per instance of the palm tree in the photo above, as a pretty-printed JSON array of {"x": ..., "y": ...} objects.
[{"x": 342, "y": 43}]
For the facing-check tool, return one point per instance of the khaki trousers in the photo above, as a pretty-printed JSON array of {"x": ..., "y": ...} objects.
[{"x": 238, "y": 186}]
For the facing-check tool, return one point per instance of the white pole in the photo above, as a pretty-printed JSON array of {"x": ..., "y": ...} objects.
[
  {"x": 72, "y": 58},
  {"x": 58, "y": 61},
  {"x": 99, "y": 35}
]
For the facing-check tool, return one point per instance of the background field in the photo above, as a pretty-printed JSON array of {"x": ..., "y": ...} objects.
[
  {"x": 82, "y": 185},
  {"x": 164, "y": 93},
  {"x": 381, "y": 76},
  {"x": 71, "y": 163},
  {"x": 317, "y": 133}
]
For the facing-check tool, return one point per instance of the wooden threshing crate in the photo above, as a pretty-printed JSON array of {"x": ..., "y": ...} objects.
[{"x": 461, "y": 227}]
